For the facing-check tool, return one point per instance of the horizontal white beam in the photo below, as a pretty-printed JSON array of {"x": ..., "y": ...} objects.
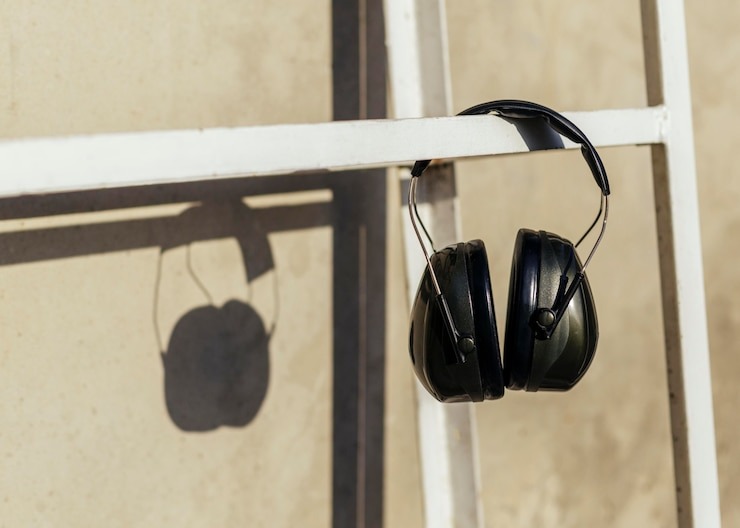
[{"x": 48, "y": 165}]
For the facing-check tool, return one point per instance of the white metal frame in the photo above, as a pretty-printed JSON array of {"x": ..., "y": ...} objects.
[
  {"x": 419, "y": 81},
  {"x": 681, "y": 270},
  {"x": 46, "y": 165},
  {"x": 420, "y": 84}
]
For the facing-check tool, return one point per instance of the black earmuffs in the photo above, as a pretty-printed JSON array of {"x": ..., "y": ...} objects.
[{"x": 551, "y": 326}]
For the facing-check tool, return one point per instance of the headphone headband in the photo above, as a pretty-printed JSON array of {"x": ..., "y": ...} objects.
[{"x": 515, "y": 109}]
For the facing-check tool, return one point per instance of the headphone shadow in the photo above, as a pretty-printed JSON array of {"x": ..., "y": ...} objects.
[
  {"x": 357, "y": 215},
  {"x": 216, "y": 363}
]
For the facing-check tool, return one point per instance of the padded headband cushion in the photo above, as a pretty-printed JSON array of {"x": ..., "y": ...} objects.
[{"x": 515, "y": 109}]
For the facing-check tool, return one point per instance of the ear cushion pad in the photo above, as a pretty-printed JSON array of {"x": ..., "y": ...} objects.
[
  {"x": 519, "y": 338},
  {"x": 486, "y": 334}
]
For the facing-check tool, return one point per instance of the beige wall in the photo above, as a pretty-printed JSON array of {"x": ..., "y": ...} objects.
[{"x": 85, "y": 433}]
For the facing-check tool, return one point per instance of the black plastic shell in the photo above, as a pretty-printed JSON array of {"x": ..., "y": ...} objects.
[
  {"x": 457, "y": 267},
  {"x": 539, "y": 261}
]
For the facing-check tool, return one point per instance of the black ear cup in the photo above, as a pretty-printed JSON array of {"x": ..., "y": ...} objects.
[
  {"x": 543, "y": 266},
  {"x": 432, "y": 352},
  {"x": 464, "y": 280}
]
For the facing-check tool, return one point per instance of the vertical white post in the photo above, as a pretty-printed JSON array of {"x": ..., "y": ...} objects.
[
  {"x": 416, "y": 34},
  {"x": 679, "y": 245}
]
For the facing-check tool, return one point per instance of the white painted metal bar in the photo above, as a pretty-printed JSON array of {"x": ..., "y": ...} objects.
[
  {"x": 419, "y": 80},
  {"x": 681, "y": 270},
  {"x": 46, "y": 165}
]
